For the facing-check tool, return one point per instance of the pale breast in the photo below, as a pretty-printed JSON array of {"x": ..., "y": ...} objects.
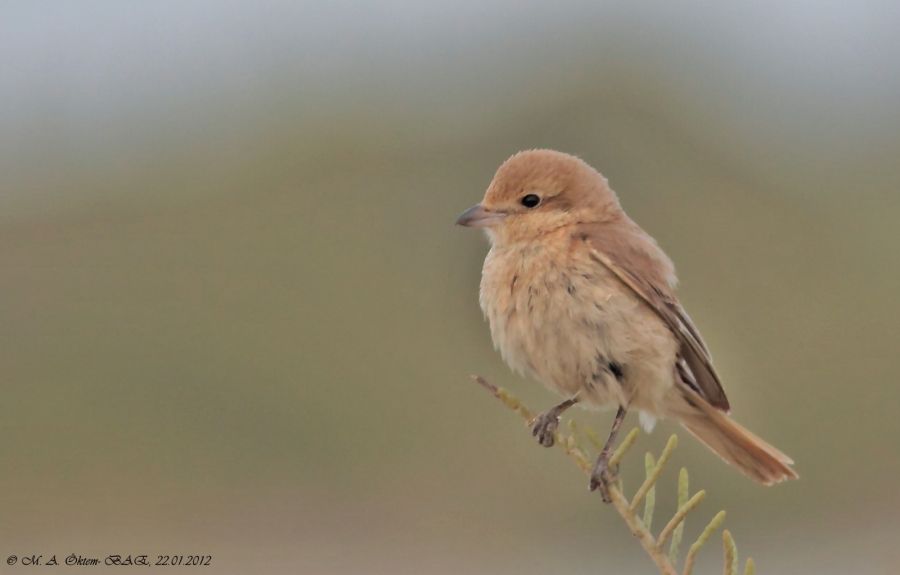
[{"x": 557, "y": 315}]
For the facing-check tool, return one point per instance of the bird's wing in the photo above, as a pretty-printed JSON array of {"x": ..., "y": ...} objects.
[{"x": 635, "y": 259}]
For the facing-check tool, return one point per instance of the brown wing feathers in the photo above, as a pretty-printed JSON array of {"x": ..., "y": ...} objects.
[{"x": 643, "y": 278}]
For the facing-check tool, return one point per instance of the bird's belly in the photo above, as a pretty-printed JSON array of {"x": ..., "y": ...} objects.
[{"x": 570, "y": 326}]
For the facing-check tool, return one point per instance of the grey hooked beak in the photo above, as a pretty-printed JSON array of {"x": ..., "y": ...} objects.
[{"x": 479, "y": 217}]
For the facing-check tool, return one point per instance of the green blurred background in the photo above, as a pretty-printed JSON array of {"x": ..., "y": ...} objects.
[{"x": 237, "y": 318}]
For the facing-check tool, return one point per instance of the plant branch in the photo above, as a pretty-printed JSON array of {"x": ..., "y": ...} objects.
[
  {"x": 619, "y": 502},
  {"x": 640, "y": 527}
]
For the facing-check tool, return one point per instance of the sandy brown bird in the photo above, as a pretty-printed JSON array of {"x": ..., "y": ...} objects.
[{"x": 580, "y": 298}]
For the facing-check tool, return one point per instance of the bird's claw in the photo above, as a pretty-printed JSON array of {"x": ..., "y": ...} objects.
[
  {"x": 602, "y": 478},
  {"x": 544, "y": 428}
]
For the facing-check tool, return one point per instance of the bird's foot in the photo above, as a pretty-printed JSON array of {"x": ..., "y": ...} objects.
[
  {"x": 602, "y": 477},
  {"x": 544, "y": 427}
]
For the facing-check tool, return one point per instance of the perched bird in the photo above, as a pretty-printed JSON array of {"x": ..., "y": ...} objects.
[{"x": 580, "y": 298}]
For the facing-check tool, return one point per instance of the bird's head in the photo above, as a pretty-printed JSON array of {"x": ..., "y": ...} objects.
[{"x": 538, "y": 191}]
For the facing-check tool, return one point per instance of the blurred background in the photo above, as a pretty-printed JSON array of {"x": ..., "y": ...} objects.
[{"x": 236, "y": 318}]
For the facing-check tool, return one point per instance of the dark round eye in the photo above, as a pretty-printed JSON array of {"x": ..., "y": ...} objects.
[{"x": 530, "y": 200}]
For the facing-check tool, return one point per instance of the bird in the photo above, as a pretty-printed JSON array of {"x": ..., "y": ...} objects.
[{"x": 582, "y": 299}]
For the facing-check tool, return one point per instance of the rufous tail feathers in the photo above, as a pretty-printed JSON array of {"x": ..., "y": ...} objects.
[{"x": 734, "y": 443}]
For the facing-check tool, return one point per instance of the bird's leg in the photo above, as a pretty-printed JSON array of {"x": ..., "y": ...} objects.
[
  {"x": 602, "y": 476},
  {"x": 545, "y": 424}
]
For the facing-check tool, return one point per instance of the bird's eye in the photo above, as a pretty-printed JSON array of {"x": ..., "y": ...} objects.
[{"x": 530, "y": 200}]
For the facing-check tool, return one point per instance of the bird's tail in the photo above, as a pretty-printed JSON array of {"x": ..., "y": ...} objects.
[{"x": 734, "y": 443}]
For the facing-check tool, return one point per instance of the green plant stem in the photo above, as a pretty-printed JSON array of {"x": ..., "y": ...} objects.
[
  {"x": 619, "y": 502},
  {"x": 571, "y": 445}
]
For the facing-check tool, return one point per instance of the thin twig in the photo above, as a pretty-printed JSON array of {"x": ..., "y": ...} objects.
[
  {"x": 623, "y": 448},
  {"x": 571, "y": 445},
  {"x": 650, "y": 500},
  {"x": 683, "y": 490},
  {"x": 710, "y": 528},
  {"x": 651, "y": 479},
  {"x": 679, "y": 517},
  {"x": 619, "y": 502},
  {"x": 731, "y": 558}
]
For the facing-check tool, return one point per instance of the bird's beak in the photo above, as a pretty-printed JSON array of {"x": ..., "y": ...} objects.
[{"x": 479, "y": 217}]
